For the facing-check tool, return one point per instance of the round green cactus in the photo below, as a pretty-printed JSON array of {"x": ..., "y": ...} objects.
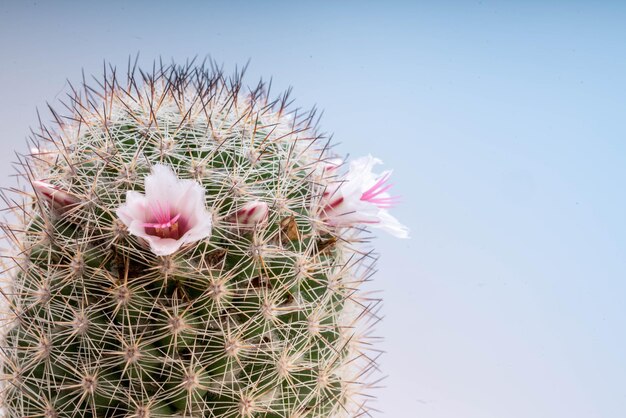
[{"x": 180, "y": 252}]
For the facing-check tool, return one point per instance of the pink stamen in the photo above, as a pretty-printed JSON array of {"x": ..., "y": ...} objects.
[
  {"x": 383, "y": 190},
  {"x": 163, "y": 226},
  {"x": 378, "y": 183},
  {"x": 373, "y": 194},
  {"x": 167, "y": 224},
  {"x": 159, "y": 213},
  {"x": 374, "y": 190}
]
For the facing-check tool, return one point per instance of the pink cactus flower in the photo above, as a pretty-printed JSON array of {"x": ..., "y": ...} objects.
[
  {"x": 362, "y": 198},
  {"x": 171, "y": 213},
  {"x": 59, "y": 199},
  {"x": 252, "y": 213}
]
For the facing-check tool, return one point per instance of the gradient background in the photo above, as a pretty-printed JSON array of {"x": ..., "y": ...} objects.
[{"x": 505, "y": 123}]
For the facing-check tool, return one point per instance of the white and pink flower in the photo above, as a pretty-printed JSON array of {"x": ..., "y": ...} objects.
[
  {"x": 170, "y": 214},
  {"x": 361, "y": 197}
]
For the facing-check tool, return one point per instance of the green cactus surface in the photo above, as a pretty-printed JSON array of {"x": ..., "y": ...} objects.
[{"x": 262, "y": 319}]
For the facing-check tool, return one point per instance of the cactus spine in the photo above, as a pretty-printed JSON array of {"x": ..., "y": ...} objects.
[{"x": 262, "y": 318}]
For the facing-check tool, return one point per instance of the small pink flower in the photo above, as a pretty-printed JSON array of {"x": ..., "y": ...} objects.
[
  {"x": 59, "y": 199},
  {"x": 362, "y": 197},
  {"x": 171, "y": 213},
  {"x": 252, "y": 213}
]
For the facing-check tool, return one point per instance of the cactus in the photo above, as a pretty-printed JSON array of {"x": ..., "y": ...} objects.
[{"x": 180, "y": 250}]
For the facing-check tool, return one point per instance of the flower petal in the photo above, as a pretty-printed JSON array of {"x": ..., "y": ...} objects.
[
  {"x": 163, "y": 246},
  {"x": 162, "y": 185},
  {"x": 134, "y": 208},
  {"x": 190, "y": 201},
  {"x": 200, "y": 231},
  {"x": 391, "y": 224}
]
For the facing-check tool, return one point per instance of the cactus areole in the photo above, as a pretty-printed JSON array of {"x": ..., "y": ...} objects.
[{"x": 184, "y": 246}]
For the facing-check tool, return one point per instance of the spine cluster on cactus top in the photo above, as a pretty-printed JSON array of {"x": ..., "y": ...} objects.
[{"x": 186, "y": 247}]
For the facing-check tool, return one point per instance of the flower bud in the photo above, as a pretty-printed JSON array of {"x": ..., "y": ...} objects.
[
  {"x": 252, "y": 213},
  {"x": 59, "y": 199}
]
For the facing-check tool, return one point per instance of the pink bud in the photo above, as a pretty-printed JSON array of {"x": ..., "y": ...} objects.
[
  {"x": 59, "y": 199},
  {"x": 252, "y": 213}
]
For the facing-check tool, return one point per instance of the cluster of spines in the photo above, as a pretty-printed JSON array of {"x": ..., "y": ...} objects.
[{"x": 254, "y": 322}]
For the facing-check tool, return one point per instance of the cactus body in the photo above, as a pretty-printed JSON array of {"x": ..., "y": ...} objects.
[{"x": 262, "y": 318}]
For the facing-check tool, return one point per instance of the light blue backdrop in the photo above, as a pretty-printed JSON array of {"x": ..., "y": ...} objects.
[{"x": 505, "y": 123}]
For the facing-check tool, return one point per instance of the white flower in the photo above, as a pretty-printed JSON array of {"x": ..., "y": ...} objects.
[
  {"x": 170, "y": 214},
  {"x": 59, "y": 199},
  {"x": 362, "y": 197},
  {"x": 252, "y": 213}
]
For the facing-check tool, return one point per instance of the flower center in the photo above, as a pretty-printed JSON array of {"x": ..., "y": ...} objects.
[
  {"x": 377, "y": 193},
  {"x": 163, "y": 224}
]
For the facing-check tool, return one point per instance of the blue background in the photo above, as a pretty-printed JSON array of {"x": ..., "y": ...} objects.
[{"x": 505, "y": 125}]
